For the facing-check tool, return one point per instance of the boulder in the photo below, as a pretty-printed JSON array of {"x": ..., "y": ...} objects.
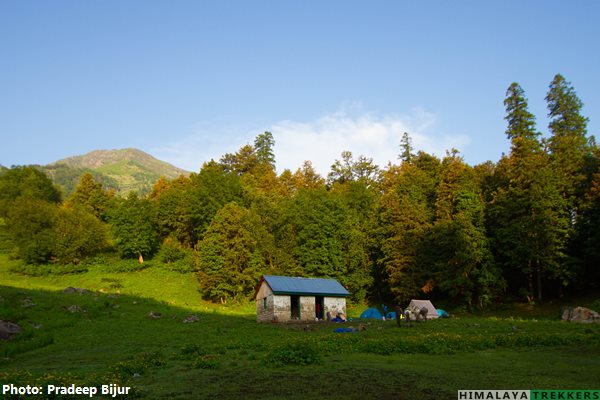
[
  {"x": 8, "y": 330},
  {"x": 75, "y": 309},
  {"x": 154, "y": 314},
  {"x": 191, "y": 319},
  {"x": 71, "y": 289},
  {"x": 27, "y": 302}
]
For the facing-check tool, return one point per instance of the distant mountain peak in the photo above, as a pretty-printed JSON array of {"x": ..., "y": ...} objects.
[
  {"x": 99, "y": 158},
  {"x": 130, "y": 169}
]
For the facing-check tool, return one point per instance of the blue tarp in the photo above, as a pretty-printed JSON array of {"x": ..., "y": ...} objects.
[
  {"x": 371, "y": 313},
  {"x": 391, "y": 315},
  {"x": 442, "y": 314}
]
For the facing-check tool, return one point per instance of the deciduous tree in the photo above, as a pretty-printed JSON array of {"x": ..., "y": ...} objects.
[{"x": 228, "y": 260}]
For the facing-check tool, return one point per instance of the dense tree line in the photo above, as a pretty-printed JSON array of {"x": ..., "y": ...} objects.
[{"x": 524, "y": 226}]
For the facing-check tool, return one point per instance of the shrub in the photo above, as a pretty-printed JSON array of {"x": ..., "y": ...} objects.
[
  {"x": 595, "y": 305},
  {"x": 175, "y": 257},
  {"x": 26, "y": 343},
  {"x": 48, "y": 269},
  {"x": 137, "y": 365},
  {"x": 112, "y": 283},
  {"x": 383, "y": 348},
  {"x": 171, "y": 251},
  {"x": 294, "y": 354},
  {"x": 206, "y": 362},
  {"x": 127, "y": 265},
  {"x": 191, "y": 350}
]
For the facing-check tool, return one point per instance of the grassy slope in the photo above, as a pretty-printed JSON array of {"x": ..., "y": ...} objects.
[{"x": 225, "y": 355}]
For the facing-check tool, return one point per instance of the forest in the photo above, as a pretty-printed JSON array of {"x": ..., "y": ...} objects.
[{"x": 524, "y": 227}]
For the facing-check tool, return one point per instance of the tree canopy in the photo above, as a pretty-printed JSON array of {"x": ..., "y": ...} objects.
[{"x": 524, "y": 226}]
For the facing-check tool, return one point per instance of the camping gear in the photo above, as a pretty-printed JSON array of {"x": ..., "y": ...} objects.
[
  {"x": 345, "y": 330},
  {"x": 442, "y": 314},
  {"x": 418, "y": 304},
  {"x": 371, "y": 313}
]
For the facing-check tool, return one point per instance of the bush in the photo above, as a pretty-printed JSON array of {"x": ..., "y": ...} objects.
[
  {"x": 294, "y": 354},
  {"x": 23, "y": 344},
  {"x": 595, "y": 305},
  {"x": 48, "y": 269},
  {"x": 175, "y": 257},
  {"x": 206, "y": 362},
  {"x": 170, "y": 251},
  {"x": 127, "y": 265},
  {"x": 190, "y": 351},
  {"x": 138, "y": 365}
]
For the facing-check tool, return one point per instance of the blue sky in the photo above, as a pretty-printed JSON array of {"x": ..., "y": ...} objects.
[{"x": 188, "y": 81}]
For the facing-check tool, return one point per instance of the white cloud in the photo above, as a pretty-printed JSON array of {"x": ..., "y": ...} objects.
[
  {"x": 321, "y": 140},
  {"x": 205, "y": 143}
]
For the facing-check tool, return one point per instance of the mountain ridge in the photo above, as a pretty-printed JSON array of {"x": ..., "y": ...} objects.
[{"x": 124, "y": 170}]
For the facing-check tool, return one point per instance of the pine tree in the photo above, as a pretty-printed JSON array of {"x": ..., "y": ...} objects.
[
  {"x": 406, "y": 154},
  {"x": 527, "y": 216},
  {"x": 568, "y": 144},
  {"x": 264, "y": 148}
]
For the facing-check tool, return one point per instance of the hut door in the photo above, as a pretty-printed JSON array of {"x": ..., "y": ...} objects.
[
  {"x": 295, "y": 307},
  {"x": 319, "y": 306}
]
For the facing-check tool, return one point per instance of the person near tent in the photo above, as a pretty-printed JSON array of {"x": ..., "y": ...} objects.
[{"x": 398, "y": 315}]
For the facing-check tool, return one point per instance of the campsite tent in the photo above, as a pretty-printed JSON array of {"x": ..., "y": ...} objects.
[
  {"x": 418, "y": 304},
  {"x": 371, "y": 313}
]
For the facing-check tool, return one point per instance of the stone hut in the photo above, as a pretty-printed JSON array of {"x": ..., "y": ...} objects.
[{"x": 284, "y": 299}]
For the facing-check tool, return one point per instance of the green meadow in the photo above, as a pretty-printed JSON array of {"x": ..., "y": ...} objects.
[{"x": 129, "y": 330}]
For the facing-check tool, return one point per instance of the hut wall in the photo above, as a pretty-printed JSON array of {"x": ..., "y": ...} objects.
[
  {"x": 264, "y": 304},
  {"x": 281, "y": 308},
  {"x": 335, "y": 306},
  {"x": 307, "y": 308}
]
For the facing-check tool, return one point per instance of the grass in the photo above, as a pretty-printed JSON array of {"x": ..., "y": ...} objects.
[{"x": 110, "y": 338}]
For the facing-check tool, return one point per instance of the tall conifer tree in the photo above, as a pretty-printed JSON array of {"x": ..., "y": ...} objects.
[
  {"x": 568, "y": 143},
  {"x": 527, "y": 214}
]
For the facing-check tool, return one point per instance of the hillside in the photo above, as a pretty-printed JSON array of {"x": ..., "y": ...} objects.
[{"x": 124, "y": 170}]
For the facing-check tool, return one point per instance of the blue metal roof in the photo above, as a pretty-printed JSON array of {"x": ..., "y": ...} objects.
[{"x": 305, "y": 286}]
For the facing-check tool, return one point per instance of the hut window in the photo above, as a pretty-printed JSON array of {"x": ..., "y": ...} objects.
[{"x": 265, "y": 303}]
